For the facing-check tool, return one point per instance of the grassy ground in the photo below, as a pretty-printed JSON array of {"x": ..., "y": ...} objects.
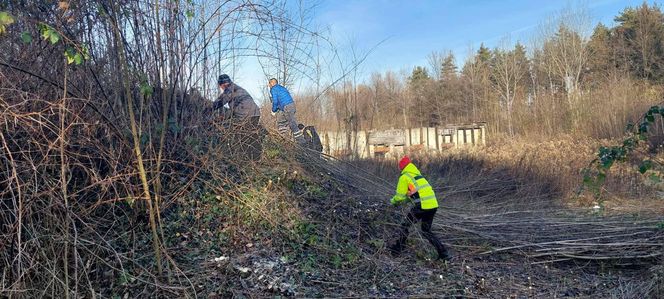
[
  {"x": 298, "y": 224},
  {"x": 325, "y": 224}
]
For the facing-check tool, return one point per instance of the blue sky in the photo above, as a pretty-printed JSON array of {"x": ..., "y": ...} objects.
[
  {"x": 412, "y": 29},
  {"x": 415, "y": 28}
]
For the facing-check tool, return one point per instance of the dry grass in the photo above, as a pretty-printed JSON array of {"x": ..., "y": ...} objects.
[{"x": 560, "y": 162}]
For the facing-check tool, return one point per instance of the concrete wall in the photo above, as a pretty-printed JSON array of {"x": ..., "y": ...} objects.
[{"x": 393, "y": 143}]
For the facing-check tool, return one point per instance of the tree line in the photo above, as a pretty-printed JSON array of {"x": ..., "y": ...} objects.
[{"x": 573, "y": 79}]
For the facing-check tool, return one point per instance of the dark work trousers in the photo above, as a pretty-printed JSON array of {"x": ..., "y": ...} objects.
[
  {"x": 286, "y": 122},
  {"x": 426, "y": 216}
]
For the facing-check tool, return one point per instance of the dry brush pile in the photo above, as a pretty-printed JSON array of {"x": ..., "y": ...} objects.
[
  {"x": 322, "y": 219},
  {"x": 110, "y": 186},
  {"x": 106, "y": 128},
  {"x": 496, "y": 207}
]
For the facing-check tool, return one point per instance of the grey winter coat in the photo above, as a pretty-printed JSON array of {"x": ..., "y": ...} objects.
[{"x": 239, "y": 101}]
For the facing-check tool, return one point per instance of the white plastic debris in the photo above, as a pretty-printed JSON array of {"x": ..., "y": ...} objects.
[{"x": 220, "y": 259}]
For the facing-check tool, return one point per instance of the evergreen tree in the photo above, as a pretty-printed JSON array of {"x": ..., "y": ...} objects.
[
  {"x": 639, "y": 41},
  {"x": 448, "y": 69},
  {"x": 600, "y": 60}
]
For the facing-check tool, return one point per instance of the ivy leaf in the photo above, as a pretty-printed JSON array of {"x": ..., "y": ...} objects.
[
  {"x": 650, "y": 117},
  {"x": 69, "y": 54},
  {"x": 84, "y": 52},
  {"x": 645, "y": 166},
  {"x": 26, "y": 37},
  {"x": 630, "y": 126},
  {"x": 655, "y": 178},
  {"x": 5, "y": 20},
  {"x": 78, "y": 58},
  {"x": 653, "y": 110},
  {"x": 660, "y": 225},
  {"x": 54, "y": 38},
  {"x": 49, "y": 34},
  {"x": 629, "y": 143}
]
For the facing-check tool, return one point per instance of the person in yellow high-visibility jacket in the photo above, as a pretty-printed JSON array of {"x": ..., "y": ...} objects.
[{"x": 413, "y": 187}]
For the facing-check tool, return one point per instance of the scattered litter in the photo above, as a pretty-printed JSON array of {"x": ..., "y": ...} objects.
[{"x": 220, "y": 259}]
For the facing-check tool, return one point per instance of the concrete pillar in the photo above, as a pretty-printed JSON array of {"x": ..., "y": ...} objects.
[
  {"x": 483, "y": 133},
  {"x": 360, "y": 144},
  {"x": 459, "y": 138}
]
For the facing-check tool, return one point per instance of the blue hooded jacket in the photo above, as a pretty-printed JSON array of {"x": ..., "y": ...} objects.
[{"x": 280, "y": 97}]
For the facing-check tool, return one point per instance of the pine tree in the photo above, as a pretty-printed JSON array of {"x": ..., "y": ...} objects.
[{"x": 448, "y": 69}]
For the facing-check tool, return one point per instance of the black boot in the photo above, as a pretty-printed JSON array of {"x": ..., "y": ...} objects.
[
  {"x": 444, "y": 255},
  {"x": 440, "y": 248}
]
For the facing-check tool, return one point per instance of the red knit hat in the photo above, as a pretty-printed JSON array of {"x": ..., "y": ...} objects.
[{"x": 404, "y": 162}]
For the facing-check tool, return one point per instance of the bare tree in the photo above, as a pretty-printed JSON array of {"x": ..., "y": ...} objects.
[{"x": 509, "y": 68}]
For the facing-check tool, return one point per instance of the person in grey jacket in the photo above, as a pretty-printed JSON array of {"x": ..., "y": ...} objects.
[
  {"x": 240, "y": 102},
  {"x": 245, "y": 136}
]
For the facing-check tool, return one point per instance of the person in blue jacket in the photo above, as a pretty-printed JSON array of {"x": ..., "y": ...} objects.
[{"x": 284, "y": 107}]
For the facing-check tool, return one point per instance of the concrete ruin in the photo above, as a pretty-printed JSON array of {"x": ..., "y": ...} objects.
[{"x": 395, "y": 142}]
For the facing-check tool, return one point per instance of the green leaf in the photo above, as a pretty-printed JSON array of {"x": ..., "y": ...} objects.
[
  {"x": 660, "y": 225},
  {"x": 5, "y": 20},
  {"x": 78, "y": 58},
  {"x": 49, "y": 34},
  {"x": 69, "y": 54},
  {"x": 630, "y": 126},
  {"x": 54, "y": 37},
  {"x": 655, "y": 178},
  {"x": 190, "y": 14},
  {"x": 84, "y": 52},
  {"x": 653, "y": 110},
  {"x": 650, "y": 117},
  {"x": 26, "y": 37},
  {"x": 45, "y": 31},
  {"x": 601, "y": 177},
  {"x": 645, "y": 166}
]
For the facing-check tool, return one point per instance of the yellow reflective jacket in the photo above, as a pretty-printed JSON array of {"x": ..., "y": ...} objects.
[{"x": 411, "y": 181}]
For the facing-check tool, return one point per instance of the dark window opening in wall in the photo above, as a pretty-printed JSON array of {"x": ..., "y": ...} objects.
[{"x": 380, "y": 150}]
